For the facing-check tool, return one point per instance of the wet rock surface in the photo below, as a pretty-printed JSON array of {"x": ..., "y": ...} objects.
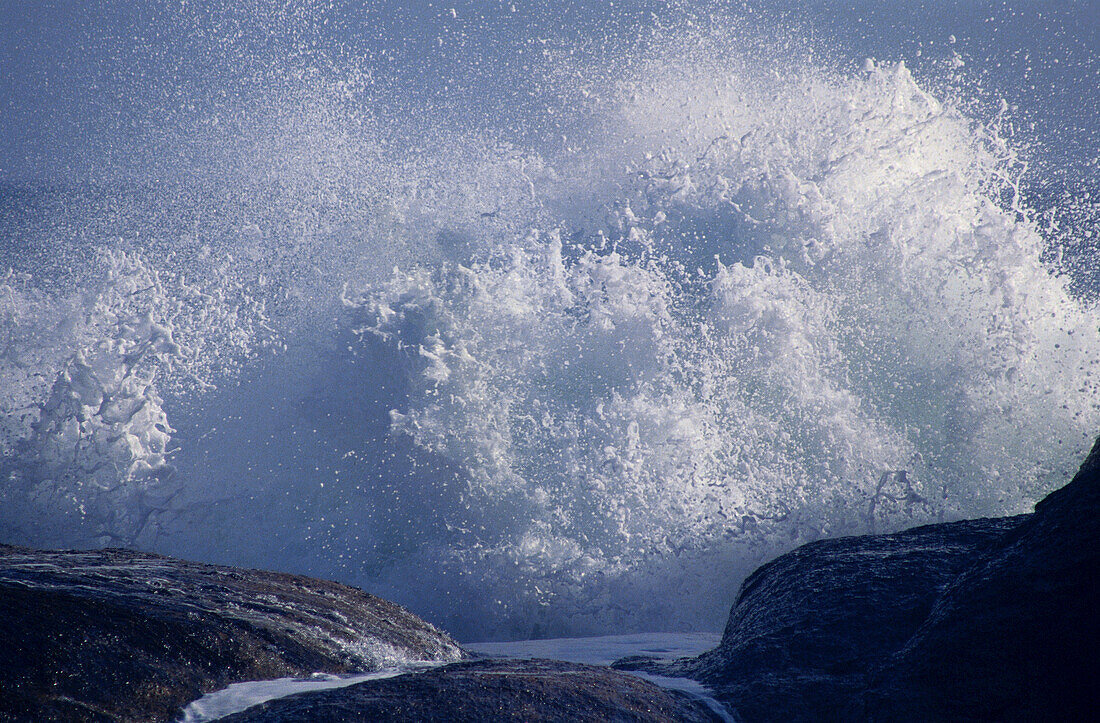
[
  {"x": 976, "y": 620},
  {"x": 1016, "y": 636},
  {"x": 809, "y": 626},
  {"x": 988, "y": 619},
  {"x": 116, "y": 635},
  {"x": 489, "y": 690}
]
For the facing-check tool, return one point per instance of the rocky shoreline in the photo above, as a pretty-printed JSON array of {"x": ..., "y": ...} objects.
[
  {"x": 116, "y": 635},
  {"x": 991, "y": 619},
  {"x": 484, "y": 690},
  {"x": 972, "y": 620}
]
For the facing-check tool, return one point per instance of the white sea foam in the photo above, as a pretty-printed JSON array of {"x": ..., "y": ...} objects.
[
  {"x": 241, "y": 696},
  {"x": 561, "y": 388},
  {"x": 86, "y": 441},
  {"x": 590, "y": 651},
  {"x": 875, "y": 347}
]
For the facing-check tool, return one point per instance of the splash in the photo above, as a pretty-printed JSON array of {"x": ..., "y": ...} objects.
[
  {"x": 882, "y": 347},
  {"x": 86, "y": 440},
  {"x": 554, "y": 388}
]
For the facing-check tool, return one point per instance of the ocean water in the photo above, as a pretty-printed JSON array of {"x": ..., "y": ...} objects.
[
  {"x": 241, "y": 696},
  {"x": 606, "y": 649},
  {"x": 600, "y": 650},
  {"x": 544, "y": 332}
]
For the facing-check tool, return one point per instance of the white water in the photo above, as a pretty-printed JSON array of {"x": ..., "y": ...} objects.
[
  {"x": 576, "y": 378},
  {"x": 590, "y": 651},
  {"x": 604, "y": 650},
  {"x": 241, "y": 696}
]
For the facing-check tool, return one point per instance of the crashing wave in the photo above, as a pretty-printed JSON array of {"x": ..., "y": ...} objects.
[
  {"x": 743, "y": 306},
  {"x": 878, "y": 350},
  {"x": 87, "y": 441}
]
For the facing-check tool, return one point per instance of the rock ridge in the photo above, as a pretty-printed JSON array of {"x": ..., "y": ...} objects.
[{"x": 118, "y": 635}]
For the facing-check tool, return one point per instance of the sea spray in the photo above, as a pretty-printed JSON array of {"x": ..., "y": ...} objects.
[
  {"x": 534, "y": 385},
  {"x": 874, "y": 354},
  {"x": 86, "y": 440}
]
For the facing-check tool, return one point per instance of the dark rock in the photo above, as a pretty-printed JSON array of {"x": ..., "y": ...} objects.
[
  {"x": 115, "y": 635},
  {"x": 488, "y": 690},
  {"x": 1017, "y": 635},
  {"x": 980, "y": 620},
  {"x": 810, "y": 626}
]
